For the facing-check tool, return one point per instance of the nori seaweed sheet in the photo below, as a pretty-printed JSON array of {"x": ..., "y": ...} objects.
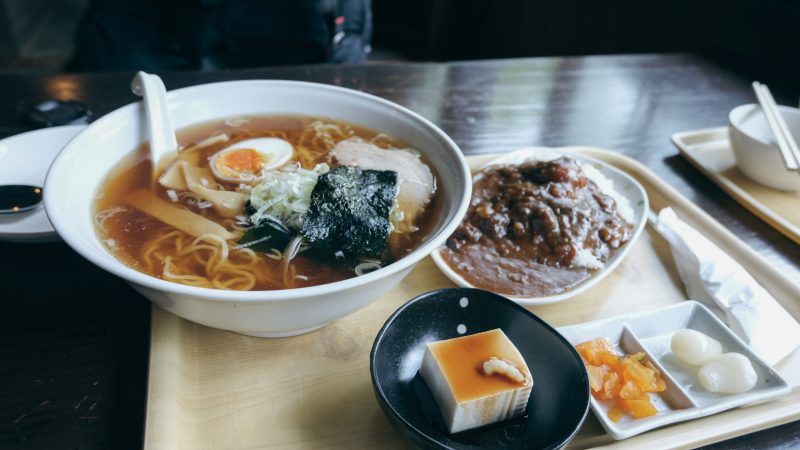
[
  {"x": 349, "y": 211},
  {"x": 269, "y": 232}
]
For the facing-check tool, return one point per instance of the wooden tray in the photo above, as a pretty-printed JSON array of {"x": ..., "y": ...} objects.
[
  {"x": 216, "y": 389},
  {"x": 710, "y": 151}
]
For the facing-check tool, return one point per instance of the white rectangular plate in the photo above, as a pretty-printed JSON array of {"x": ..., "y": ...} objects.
[
  {"x": 684, "y": 398},
  {"x": 710, "y": 151}
]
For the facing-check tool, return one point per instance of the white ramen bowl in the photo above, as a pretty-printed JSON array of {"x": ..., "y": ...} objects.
[{"x": 74, "y": 179}]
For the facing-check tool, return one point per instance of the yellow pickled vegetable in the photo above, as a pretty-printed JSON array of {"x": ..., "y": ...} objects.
[{"x": 624, "y": 380}]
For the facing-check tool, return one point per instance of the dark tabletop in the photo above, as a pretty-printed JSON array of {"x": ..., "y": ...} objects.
[{"x": 73, "y": 363}]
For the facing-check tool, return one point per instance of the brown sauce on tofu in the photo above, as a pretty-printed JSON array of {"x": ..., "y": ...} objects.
[
  {"x": 531, "y": 227},
  {"x": 461, "y": 360}
]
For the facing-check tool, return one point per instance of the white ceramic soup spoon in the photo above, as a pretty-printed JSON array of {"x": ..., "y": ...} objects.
[{"x": 162, "y": 134}]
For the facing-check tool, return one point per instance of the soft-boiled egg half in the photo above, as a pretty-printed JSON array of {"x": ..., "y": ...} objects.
[{"x": 246, "y": 161}]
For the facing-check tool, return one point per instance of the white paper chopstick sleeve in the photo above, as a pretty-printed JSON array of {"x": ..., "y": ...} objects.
[{"x": 712, "y": 277}]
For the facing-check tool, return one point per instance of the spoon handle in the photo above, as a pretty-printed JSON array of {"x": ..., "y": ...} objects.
[{"x": 162, "y": 133}]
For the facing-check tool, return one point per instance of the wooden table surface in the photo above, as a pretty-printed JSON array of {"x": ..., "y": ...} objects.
[{"x": 73, "y": 363}]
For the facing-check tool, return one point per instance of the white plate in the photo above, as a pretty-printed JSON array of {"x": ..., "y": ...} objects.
[
  {"x": 685, "y": 398},
  {"x": 710, "y": 151},
  {"x": 24, "y": 159},
  {"x": 623, "y": 183}
]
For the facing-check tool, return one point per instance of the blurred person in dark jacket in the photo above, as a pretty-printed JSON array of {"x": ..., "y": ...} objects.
[{"x": 206, "y": 34}]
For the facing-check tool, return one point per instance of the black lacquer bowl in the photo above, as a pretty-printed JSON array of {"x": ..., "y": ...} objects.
[{"x": 560, "y": 398}]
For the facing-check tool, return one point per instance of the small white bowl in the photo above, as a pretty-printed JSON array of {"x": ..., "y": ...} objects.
[
  {"x": 753, "y": 143},
  {"x": 75, "y": 176}
]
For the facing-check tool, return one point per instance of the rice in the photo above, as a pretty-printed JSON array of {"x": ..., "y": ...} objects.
[
  {"x": 583, "y": 257},
  {"x": 607, "y": 187}
]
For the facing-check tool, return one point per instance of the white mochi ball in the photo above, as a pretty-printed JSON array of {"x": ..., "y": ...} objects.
[
  {"x": 694, "y": 347},
  {"x": 731, "y": 373}
]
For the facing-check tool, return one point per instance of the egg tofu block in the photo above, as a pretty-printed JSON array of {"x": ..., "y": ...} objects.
[{"x": 477, "y": 379}]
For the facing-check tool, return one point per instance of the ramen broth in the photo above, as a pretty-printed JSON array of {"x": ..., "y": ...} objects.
[{"x": 142, "y": 241}]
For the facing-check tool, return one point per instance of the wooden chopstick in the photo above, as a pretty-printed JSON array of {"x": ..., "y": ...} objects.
[{"x": 789, "y": 149}]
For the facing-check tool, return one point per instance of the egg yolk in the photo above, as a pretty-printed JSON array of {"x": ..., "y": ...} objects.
[{"x": 244, "y": 160}]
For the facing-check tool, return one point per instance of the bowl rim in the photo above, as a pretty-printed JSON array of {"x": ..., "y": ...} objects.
[
  {"x": 519, "y": 308},
  {"x": 120, "y": 269},
  {"x": 736, "y": 114}
]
